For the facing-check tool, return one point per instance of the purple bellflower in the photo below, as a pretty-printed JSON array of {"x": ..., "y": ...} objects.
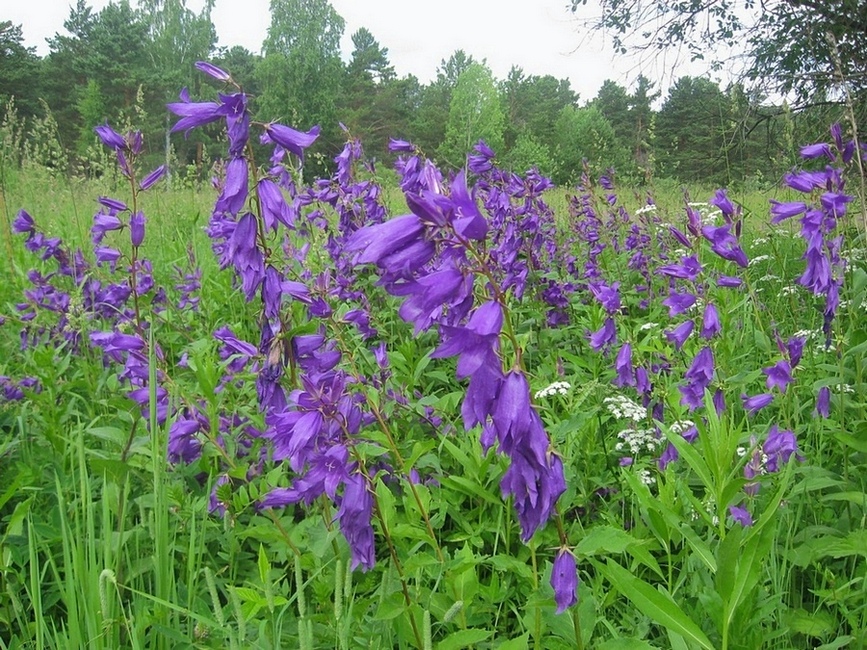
[{"x": 564, "y": 580}]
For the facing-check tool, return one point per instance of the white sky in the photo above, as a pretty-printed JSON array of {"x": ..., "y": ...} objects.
[{"x": 541, "y": 36}]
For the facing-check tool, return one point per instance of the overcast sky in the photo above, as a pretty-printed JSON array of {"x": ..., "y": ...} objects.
[{"x": 541, "y": 36}]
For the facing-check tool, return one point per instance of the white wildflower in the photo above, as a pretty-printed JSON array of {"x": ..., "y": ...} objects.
[{"x": 557, "y": 388}]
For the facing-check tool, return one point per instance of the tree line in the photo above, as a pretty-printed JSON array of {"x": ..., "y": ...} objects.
[{"x": 123, "y": 63}]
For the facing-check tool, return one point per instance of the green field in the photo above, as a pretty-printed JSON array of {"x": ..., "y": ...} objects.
[{"x": 137, "y": 519}]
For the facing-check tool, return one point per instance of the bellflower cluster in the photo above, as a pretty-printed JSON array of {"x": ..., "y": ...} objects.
[
  {"x": 769, "y": 458},
  {"x": 430, "y": 258},
  {"x": 312, "y": 428},
  {"x": 819, "y": 218}
]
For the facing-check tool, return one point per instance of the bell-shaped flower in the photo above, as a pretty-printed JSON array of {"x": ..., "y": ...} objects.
[
  {"x": 210, "y": 69},
  {"x": 710, "y": 324},
  {"x": 468, "y": 220},
  {"x": 680, "y": 334},
  {"x": 354, "y": 516},
  {"x": 564, "y": 580},
  {"x": 779, "y": 375},
  {"x": 290, "y": 139},
  {"x": 194, "y": 114}
]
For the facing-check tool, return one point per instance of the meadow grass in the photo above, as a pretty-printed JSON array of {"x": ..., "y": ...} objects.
[{"x": 105, "y": 544}]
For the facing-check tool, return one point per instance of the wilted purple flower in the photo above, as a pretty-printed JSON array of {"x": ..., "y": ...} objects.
[
  {"x": 779, "y": 375},
  {"x": 755, "y": 403},
  {"x": 741, "y": 515},
  {"x": 564, "y": 580},
  {"x": 823, "y": 402}
]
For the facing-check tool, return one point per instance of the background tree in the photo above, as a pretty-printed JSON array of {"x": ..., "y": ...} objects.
[
  {"x": 429, "y": 122},
  {"x": 301, "y": 72},
  {"x": 693, "y": 132},
  {"x": 178, "y": 38},
  {"x": 110, "y": 47},
  {"x": 20, "y": 71},
  {"x": 369, "y": 104},
  {"x": 474, "y": 114},
  {"x": 584, "y": 135},
  {"x": 532, "y": 104},
  {"x": 806, "y": 47}
]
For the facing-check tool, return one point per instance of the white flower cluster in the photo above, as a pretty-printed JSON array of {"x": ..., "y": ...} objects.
[
  {"x": 789, "y": 290},
  {"x": 624, "y": 408},
  {"x": 770, "y": 277},
  {"x": 557, "y": 388},
  {"x": 854, "y": 255},
  {"x": 758, "y": 259},
  {"x": 759, "y": 241},
  {"x": 708, "y": 213},
  {"x": 644, "y": 210},
  {"x": 646, "y": 477},
  {"x": 681, "y": 426},
  {"x": 635, "y": 441},
  {"x": 647, "y": 326}
]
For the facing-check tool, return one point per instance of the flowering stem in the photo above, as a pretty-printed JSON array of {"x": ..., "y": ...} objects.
[
  {"x": 386, "y": 430},
  {"x": 133, "y": 278},
  {"x": 396, "y": 560}
]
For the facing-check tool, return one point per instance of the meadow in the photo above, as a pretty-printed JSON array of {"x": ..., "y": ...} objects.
[{"x": 430, "y": 409}]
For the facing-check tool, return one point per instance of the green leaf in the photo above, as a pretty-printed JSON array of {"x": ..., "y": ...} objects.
[
  {"x": 519, "y": 643},
  {"x": 264, "y": 566},
  {"x": 391, "y": 607},
  {"x": 470, "y": 488},
  {"x": 657, "y": 605},
  {"x": 625, "y": 644},
  {"x": 605, "y": 539},
  {"x": 462, "y": 639}
]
